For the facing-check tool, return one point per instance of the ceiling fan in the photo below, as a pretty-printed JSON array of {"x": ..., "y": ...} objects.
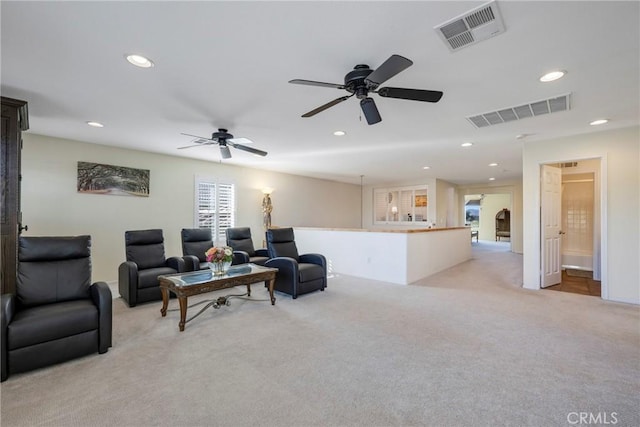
[
  {"x": 224, "y": 140},
  {"x": 362, "y": 80}
]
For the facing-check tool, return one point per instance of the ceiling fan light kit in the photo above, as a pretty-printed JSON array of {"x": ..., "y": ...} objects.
[{"x": 362, "y": 80}]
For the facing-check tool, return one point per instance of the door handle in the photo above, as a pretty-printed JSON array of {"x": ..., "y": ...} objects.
[
  {"x": 20, "y": 228},
  {"x": 561, "y": 232}
]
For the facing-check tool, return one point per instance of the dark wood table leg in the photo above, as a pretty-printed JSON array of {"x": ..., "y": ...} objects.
[
  {"x": 248, "y": 289},
  {"x": 272, "y": 283},
  {"x": 165, "y": 301},
  {"x": 183, "y": 312}
]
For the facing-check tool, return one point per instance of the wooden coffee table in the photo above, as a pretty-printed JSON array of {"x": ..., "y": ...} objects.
[{"x": 184, "y": 285}]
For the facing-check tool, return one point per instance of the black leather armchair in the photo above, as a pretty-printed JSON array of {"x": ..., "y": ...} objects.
[
  {"x": 195, "y": 242},
  {"x": 138, "y": 275},
  {"x": 56, "y": 313},
  {"x": 297, "y": 274},
  {"x": 239, "y": 238}
]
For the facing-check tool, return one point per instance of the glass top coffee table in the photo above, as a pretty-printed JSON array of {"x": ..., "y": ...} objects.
[{"x": 184, "y": 285}]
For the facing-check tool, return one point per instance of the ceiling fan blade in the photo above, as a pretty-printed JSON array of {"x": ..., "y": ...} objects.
[
  {"x": 325, "y": 106},
  {"x": 225, "y": 152},
  {"x": 412, "y": 94},
  {"x": 195, "y": 136},
  {"x": 240, "y": 140},
  {"x": 388, "y": 69},
  {"x": 249, "y": 149},
  {"x": 314, "y": 83},
  {"x": 370, "y": 111}
]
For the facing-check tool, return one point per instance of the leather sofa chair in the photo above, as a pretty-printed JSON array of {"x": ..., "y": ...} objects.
[
  {"x": 145, "y": 261},
  {"x": 297, "y": 274},
  {"x": 239, "y": 238},
  {"x": 56, "y": 313},
  {"x": 195, "y": 242}
]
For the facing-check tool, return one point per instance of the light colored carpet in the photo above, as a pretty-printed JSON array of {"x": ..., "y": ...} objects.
[{"x": 465, "y": 347}]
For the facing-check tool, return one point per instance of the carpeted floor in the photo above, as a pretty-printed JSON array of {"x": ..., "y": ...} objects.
[{"x": 465, "y": 347}]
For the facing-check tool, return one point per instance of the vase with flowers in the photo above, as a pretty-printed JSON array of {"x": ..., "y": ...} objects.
[{"x": 219, "y": 259}]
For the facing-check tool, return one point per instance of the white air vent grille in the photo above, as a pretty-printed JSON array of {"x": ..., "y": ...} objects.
[
  {"x": 537, "y": 108},
  {"x": 469, "y": 28}
]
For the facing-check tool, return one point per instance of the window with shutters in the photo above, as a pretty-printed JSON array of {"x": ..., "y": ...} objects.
[
  {"x": 215, "y": 207},
  {"x": 400, "y": 205}
]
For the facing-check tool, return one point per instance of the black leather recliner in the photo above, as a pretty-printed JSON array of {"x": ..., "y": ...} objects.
[
  {"x": 56, "y": 313},
  {"x": 138, "y": 275},
  {"x": 239, "y": 238},
  {"x": 195, "y": 242},
  {"x": 297, "y": 274}
]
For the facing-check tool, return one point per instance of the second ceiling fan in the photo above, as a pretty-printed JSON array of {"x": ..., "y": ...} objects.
[
  {"x": 224, "y": 140},
  {"x": 362, "y": 80}
]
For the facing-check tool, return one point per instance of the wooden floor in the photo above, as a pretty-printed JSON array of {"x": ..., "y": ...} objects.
[{"x": 577, "y": 285}]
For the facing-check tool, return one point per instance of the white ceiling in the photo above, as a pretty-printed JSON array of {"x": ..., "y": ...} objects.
[{"x": 227, "y": 64}]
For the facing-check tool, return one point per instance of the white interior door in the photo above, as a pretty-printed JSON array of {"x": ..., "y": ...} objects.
[{"x": 551, "y": 212}]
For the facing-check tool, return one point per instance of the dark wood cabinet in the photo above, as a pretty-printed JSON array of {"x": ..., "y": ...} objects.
[{"x": 15, "y": 119}]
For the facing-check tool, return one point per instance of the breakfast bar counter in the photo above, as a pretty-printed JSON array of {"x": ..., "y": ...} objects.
[{"x": 390, "y": 255}]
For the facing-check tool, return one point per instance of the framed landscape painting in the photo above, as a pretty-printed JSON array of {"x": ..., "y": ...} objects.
[{"x": 97, "y": 178}]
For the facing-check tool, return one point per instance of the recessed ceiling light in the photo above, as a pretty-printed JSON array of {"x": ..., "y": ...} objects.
[
  {"x": 553, "y": 75},
  {"x": 598, "y": 122},
  {"x": 95, "y": 124},
  {"x": 492, "y": 179},
  {"x": 466, "y": 144},
  {"x": 339, "y": 133},
  {"x": 493, "y": 164},
  {"x": 426, "y": 167},
  {"x": 139, "y": 61}
]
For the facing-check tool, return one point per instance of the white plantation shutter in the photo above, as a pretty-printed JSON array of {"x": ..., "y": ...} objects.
[
  {"x": 206, "y": 209},
  {"x": 215, "y": 207},
  {"x": 226, "y": 209}
]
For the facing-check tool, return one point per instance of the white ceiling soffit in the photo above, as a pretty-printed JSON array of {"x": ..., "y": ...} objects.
[
  {"x": 538, "y": 108},
  {"x": 471, "y": 27}
]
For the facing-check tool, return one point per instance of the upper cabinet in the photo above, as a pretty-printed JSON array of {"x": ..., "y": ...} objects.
[{"x": 401, "y": 205}]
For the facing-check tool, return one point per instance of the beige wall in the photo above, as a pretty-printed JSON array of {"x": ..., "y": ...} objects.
[
  {"x": 490, "y": 205},
  {"x": 52, "y": 206},
  {"x": 619, "y": 151},
  {"x": 446, "y": 204}
]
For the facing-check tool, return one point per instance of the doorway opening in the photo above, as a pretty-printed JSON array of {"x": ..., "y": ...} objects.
[
  {"x": 488, "y": 216},
  {"x": 570, "y": 232}
]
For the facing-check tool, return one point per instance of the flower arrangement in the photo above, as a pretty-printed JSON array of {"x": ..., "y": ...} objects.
[{"x": 219, "y": 254}]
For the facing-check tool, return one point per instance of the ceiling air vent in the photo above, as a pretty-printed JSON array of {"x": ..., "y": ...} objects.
[
  {"x": 569, "y": 165},
  {"x": 537, "y": 108},
  {"x": 469, "y": 28}
]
